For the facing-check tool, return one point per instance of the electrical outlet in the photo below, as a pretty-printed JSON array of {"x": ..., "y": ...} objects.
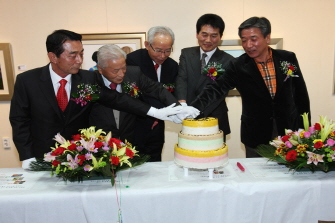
[{"x": 6, "y": 142}]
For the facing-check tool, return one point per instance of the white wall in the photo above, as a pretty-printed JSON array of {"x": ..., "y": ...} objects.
[{"x": 305, "y": 25}]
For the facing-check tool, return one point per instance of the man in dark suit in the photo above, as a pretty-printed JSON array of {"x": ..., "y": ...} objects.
[
  {"x": 273, "y": 90},
  {"x": 122, "y": 124},
  {"x": 191, "y": 80},
  {"x": 149, "y": 132},
  {"x": 37, "y": 116}
]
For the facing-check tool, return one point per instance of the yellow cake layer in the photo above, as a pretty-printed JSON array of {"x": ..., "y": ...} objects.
[
  {"x": 203, "y": 122},
  {"x": 192, "y": 153}
]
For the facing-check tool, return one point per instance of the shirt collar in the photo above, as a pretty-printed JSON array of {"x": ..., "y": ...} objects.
[
  {"x": 269, "y": 58},
  {"x": 209, "y": 54},
  {"x": 55, "y": 78}
]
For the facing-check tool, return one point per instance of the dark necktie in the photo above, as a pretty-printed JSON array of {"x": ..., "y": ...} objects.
[
  {"x": 113, "y": 86},
  {"x": 62, "y": 95},
  {"x": 203, "y": 61}
]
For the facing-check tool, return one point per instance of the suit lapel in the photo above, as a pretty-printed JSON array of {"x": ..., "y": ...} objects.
[
  {"x": 149, "y": 66},
  {"x": 165, "y": 75},
  {"x": 195, "y": 62},
  {"x": 280, "y": 76},
  {"x": 48, "y": 90},
  {"x": 196, "y": 67},
  {"x": 73, "y": 109}
]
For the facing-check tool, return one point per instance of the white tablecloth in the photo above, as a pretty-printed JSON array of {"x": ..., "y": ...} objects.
[{"x": 159, "y": 192}]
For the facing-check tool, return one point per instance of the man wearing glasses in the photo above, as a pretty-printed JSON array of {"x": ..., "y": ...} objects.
[
  {"x": 155, "y": 63},
  {"x": 192, "y": 80}
]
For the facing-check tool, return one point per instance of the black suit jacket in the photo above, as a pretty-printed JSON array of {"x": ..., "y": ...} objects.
[
  {"x": 103, "y": 118},
  {"x": 36, "y": 118},
  {"x": 190, "y": 82},
  {"x": 258, "y": 107},
  {"x": 144, "y": 133}
]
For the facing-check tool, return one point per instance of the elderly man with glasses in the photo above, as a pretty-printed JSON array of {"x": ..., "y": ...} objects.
[{"x": 155, "y": 63}]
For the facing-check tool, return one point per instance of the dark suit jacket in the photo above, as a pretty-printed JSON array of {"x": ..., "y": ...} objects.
[
  {"x": 169, "y": 72},
  {"x": 36, "y": 118},
  {"x": 190, "y": 82},
  {"x": 258, "y": 107},
  {"x": 103, "y": 118}
]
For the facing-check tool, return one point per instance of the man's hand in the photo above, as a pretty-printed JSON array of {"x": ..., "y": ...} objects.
[
  {"x": 175, "y": 119},
  {"x": 164, "y": 113},
  {"x": 26, "y": 163},
  {"x": 188, "y": 112}
]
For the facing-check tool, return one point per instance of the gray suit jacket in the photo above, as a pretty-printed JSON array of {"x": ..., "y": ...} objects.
[{"x": 190, "y": 82}]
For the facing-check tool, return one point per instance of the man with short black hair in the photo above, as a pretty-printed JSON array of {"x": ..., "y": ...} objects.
[{"x": 191, "y": 78}]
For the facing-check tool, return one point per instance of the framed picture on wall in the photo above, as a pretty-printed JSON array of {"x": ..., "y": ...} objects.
[
  {"x": 234, "y": 48},
  {"x": 127, "y": 41},
  {"x": 6, "y": 72}
]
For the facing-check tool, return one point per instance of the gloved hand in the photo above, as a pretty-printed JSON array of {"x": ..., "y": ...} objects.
[
  {"x": 164, "y": 113},
  {"x": 183, "y": 104},
  {"x": 188, "y": 112},
  {"x": 26, "y": 163},
  {"x": 175, "y": 119}
]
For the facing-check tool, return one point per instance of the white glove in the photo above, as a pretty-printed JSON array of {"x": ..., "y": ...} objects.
[
  {"x": 26, "y": 163},
  {"x": 183, "y": 104},
  {"x": 188, "y": 112},
  {"x": 164, "y": 113},
  {"x": 175, "y": 119}
]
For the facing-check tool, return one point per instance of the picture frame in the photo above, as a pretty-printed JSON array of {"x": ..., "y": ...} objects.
[
  {"x": 234, "y": 48},
  {"x": 93, "y": 41},
  {"x": 6, "y": 72}
]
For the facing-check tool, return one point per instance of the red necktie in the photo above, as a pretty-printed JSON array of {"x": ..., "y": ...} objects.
[
  {"x": 156, "y": 66},
  {"x": 113, "y": 86},
  {"x": 156, "y": 121},
  {"x": 62, "y": 95}
]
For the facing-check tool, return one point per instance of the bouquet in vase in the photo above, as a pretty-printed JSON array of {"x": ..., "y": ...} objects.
[{"x": 312, "y": 147}]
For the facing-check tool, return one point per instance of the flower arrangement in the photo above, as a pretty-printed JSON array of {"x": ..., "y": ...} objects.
[
  {"x": 312, "y": 147},
  {"x": 213, "y": 70},
  {"x": 131, "y": 89},
  {"x": 91, "y": 153},
  {"x": 86, "y": 93},
  {"x": 288, "y": 69},
  {"x": 169, "y": 87}
]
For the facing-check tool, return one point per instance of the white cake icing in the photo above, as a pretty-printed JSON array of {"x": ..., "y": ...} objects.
[{"x": 200, "y": 130}]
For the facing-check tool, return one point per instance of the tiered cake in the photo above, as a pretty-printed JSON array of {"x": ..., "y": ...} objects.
[{"x": 200, "y": 144}]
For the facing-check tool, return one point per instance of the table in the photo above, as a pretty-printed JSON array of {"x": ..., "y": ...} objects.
[{"x": 158, "y": 192}]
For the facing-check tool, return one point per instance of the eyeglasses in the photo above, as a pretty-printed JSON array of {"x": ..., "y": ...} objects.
[{"x": 161, "y": 51}]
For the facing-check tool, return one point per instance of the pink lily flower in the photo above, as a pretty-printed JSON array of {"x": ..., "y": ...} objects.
[{"x": 314, "y": 158}]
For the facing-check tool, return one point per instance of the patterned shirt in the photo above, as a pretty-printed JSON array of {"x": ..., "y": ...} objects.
[{"x": 268, "y": 73}]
